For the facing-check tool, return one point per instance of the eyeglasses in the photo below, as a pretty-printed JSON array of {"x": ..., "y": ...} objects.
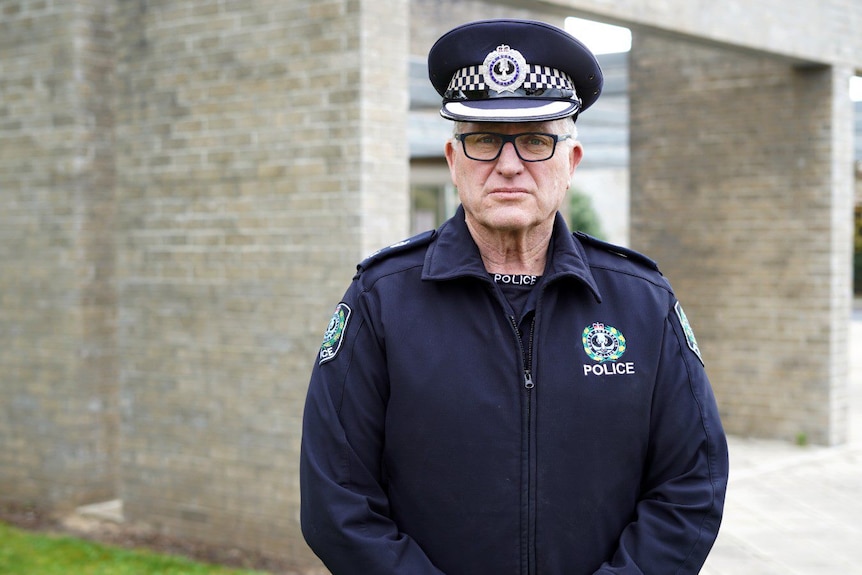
[{"x": 530, "y": 146}]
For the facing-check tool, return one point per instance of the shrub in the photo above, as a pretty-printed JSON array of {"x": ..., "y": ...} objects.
[{"x": 582, "y": 215}]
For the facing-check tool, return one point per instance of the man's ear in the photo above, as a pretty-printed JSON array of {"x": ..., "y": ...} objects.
[{"x": 575, "y": 156}]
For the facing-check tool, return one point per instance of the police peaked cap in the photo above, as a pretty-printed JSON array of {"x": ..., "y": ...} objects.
[{"x": 513, "y": 71}]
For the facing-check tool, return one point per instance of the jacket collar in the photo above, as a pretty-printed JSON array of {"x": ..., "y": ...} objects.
[{"x": 454, "y": 254}]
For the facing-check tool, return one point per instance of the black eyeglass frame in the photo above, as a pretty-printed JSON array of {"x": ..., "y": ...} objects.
[{"x": 506, "y": 138}]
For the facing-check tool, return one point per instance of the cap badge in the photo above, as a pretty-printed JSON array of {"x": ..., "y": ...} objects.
[{"x": 504, "y": 69}]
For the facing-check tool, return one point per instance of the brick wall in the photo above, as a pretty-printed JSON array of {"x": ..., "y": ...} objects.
[
  {"x": 258, "y": 161},
  {"x": 58, "y": 417},
  {"x": 742, "y": 190}
]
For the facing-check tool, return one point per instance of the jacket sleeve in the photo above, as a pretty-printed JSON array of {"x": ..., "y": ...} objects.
[
  {"x": 344, "y": 509},
  {"x": 685, "y": 477}
]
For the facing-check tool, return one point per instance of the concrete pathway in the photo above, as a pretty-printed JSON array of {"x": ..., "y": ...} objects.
[{"x": 795, "y": 510}]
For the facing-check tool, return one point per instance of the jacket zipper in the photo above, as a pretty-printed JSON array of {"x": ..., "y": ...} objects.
[
  {"x": 528, "y": 540},
  {"x": 526, "y": 353}
]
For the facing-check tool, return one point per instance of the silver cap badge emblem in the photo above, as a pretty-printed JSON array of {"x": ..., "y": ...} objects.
[{"x": 504, "y": 69}]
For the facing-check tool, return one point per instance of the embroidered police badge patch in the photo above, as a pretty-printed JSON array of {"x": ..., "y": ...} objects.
[
  {"x": 603, "y": 342},
  {"x": 689, "y": 333},
  {"x": 334, "y": 335}
]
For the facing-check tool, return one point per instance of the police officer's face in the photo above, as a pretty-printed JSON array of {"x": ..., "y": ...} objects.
[{"x": 509, "y": 195}]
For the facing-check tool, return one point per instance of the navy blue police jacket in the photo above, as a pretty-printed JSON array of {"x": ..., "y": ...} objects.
[{"x": 442, "y": 434}]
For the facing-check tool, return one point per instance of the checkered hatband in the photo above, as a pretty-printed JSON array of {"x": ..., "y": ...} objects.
[{"x": 538, "y": 78}]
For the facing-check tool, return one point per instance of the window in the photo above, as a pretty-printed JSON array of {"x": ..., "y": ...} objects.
[{"x": 431, "y": 205}]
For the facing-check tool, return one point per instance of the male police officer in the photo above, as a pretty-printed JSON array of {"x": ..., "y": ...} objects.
[{"x": 500, "y": 396}]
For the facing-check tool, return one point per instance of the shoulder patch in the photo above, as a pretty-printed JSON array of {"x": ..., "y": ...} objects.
[
  {"x": 418, "y": 240},
  {"x": 334, "y": 335},
  {"x": 689, "y": 333},
  {"x": 618, "y": 250}
]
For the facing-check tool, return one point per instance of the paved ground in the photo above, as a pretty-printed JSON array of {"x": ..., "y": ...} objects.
[{"x": 793, "y": 510}]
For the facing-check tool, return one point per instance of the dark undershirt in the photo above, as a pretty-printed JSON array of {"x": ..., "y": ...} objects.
[{"x": 516, "y": 289}]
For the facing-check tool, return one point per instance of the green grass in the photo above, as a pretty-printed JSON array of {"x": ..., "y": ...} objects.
[{"x": 25, "y": 553}]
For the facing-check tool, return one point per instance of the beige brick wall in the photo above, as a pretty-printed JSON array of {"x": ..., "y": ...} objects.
[
  {"x": 261, "y": 154},
  {"x": 742, "y": 190},
  {"x": 58, "y": 418}
]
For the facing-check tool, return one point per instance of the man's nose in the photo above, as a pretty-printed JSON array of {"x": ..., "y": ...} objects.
[{"x": 509, "y": 158}]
